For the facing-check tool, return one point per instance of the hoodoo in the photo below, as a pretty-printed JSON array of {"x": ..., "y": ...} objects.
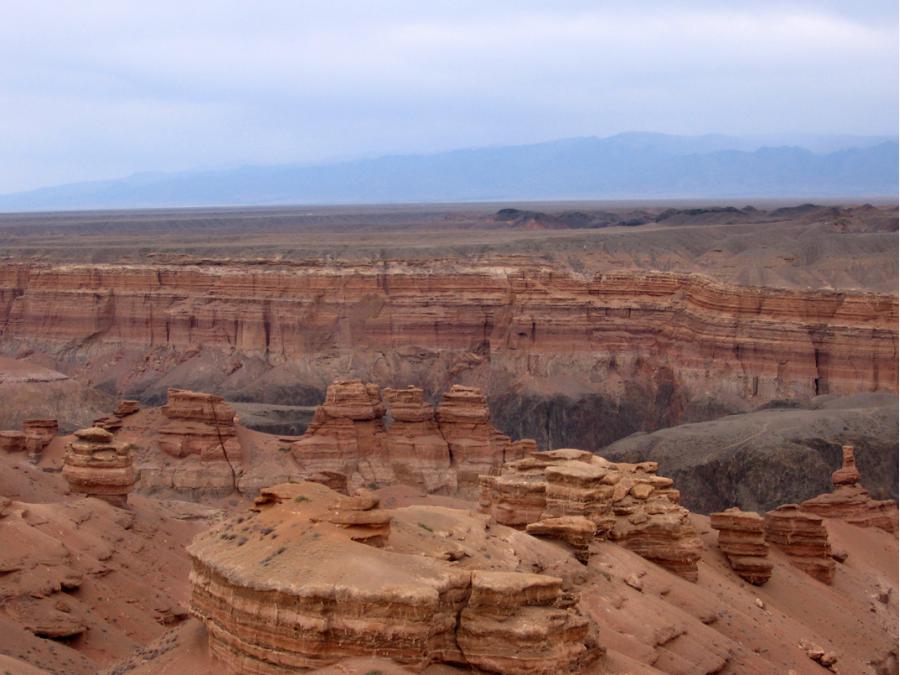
[
  {"x": 348, "y": 445},
  {"x": 742, "y": 540},
  {"x": 98, "y": 467},
  {"x": 804, "y": 538},
  {"x": 851, "y": 502},
  {"x": 38, "y": 434}
]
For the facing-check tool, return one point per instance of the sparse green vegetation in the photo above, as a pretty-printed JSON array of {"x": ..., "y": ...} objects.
[
  {"x": 425, "y": 527},
  {"x": 301, "y": 498},
  {"x": 284, "y": 448}
]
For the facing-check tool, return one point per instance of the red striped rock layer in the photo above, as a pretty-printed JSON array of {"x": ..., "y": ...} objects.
[
  {"x": 554, "y": 493},
  {"x": 199, "y": 424},
  {"x": 728, "y": 342},
  {"x": 348, "y": 445},
  {"x": 97, "y": 467},
  {"x": 804, "y": 538},
  {"x": 289, "y": 589},
  {"x": 743, "y": 542}
]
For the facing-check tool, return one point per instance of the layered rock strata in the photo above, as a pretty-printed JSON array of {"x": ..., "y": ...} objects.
[
  {"x": 804, "y": 538},
  {"x": 418, "y": 452},
  {"x": 476, "y": 446},
  {"x": 12, "y": 441},
  {"x": 349, "y": 445},
  {"x": 38, "y": 434},
  {"x": 742, "y": 540},
  {"x": 96, "y": 466},
  {"x": 293, "y": 586},
  {"x": 199, "y": 424},
  {"x": 738, "y": 345},
  {"x": 626, "y": 503},
  {"x": 851, "y": 502},
  {"x": 114, "y": 422}
]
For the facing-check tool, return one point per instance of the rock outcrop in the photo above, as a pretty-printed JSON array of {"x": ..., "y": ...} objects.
[
  {"x": 34, "y": 437},
  {"x": 626, "y": 503},
  {"x": 804, "y": 538},
  {"x": 126, "y": 407},
  {"x": 476, "y": 447},
  {"x": 12, "y": 441},
  {"x": 96, "y": 466},
  {"x": 307, "y": 557},
  {"x": 851, "y": 502},
  {"x": 742, "y": 540},
  {"x": 418, "y": 452},
  {"x": 199, "y": 424},
  {"x": 114, "y": 422},
  {"x": 348, "y": 445},
  {"x": 38, "y": 434}
]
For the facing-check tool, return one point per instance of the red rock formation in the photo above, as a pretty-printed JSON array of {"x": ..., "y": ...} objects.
[
  {"x": 12, "y": 441},
  {"x": 114, "y": 422},
  {"x": 418, "y": 453},
  {"x": 199, "y": 424},
  {"x": 804, "y": 538},
  {"x": 98, "y": 467},
  {"x": 126, "y": 407},
  {"x": 742, "y": 539},
  {"x": 444, "y": 451},
  {"x": 337, "y": 598},
  {"x": 346, "y": 437},
  {"x": 476, "y": 447},
  {"x": 851, "y": 502},
  {"x": 730, "y": 343},
  {"x": 627, "y": 503},
  {"x": 577, "y": 531},
  {"x": 38, "y": 434}
]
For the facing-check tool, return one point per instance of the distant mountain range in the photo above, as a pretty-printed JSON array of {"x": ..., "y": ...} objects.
[{"x": 624, "y": 166}]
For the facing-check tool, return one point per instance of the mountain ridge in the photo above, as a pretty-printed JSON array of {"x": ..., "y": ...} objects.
[{"x": 625, "y": 166}]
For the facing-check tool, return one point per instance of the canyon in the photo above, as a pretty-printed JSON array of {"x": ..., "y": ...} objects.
[
  {"x": 252, "y": 441},
  {"x": 647, "y": 349}
]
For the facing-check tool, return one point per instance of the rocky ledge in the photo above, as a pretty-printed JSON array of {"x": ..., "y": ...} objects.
[
  {"x": 302, "y": 583},
  {"x": 573, "y": 495}
]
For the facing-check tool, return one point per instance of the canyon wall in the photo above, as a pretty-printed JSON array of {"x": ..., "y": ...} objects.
[{"x": 590, "y": 359}]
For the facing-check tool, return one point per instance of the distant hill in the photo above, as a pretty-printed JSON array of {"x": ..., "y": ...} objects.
[{"x": 625, "y": 166}]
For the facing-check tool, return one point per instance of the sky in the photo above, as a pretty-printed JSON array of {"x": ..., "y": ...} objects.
[{"x": 93, "y": 89}]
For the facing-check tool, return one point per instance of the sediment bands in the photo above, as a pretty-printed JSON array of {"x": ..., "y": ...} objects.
[{"x": 764, "y": 343}]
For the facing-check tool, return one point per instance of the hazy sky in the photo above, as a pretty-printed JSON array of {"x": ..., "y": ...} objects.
[{"x": 104, "y": 88}]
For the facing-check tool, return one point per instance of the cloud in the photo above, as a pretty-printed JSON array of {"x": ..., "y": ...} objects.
[{"x": 94, "y": 89}]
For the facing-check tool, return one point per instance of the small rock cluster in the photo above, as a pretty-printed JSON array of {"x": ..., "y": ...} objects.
[
  {"x": 574, "y": 496},
  {"x": 123, "y": 409}
]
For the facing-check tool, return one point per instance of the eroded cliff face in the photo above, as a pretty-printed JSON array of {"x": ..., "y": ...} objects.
[{"x": 651, "y": 349}]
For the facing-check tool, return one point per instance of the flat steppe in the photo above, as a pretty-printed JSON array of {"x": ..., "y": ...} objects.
[{"x": 782, "y": 244}]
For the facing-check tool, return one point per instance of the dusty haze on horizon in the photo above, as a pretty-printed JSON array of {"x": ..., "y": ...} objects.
[{"x": 96, "y": 90}]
